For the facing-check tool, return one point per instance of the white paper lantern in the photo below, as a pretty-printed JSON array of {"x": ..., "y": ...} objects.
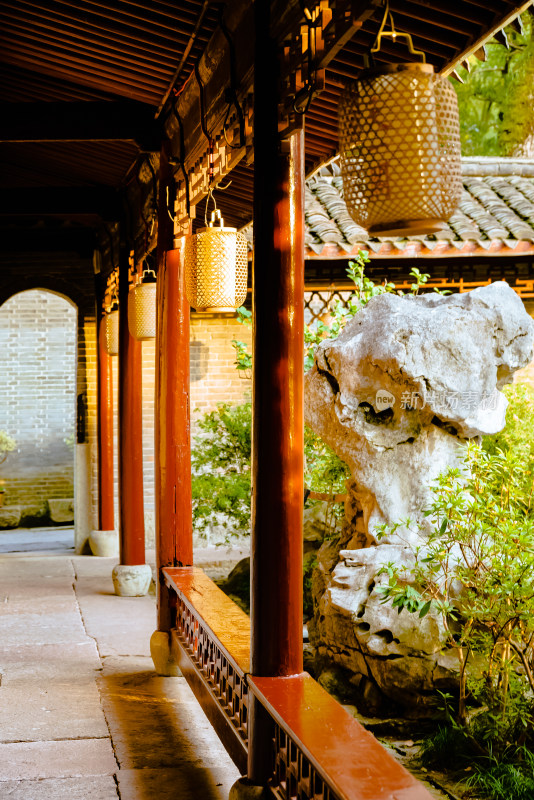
[
  {"x": 400, "y": 150},
  {"x": 142, "y": 308},
  {"x": 216, "y": 268}
]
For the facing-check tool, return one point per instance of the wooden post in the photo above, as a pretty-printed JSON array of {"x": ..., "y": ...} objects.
[
  {"x": 106, "y": 513},
  {"x": 278, "y": 432},
  {"x": 131, "y": 504},
  {"x": 174, "y": 527}
]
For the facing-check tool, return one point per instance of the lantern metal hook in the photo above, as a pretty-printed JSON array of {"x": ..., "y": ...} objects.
[
  {"x": 394, "y": 34},
  {"x": 211, "y": 197}
]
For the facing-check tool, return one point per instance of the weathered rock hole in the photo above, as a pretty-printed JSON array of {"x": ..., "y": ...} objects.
[
  {"x": 446, "y": 426},
  {"x": 376, "y": 417},
  {"x": 334, "y": 385},
  {"x": 387, "y": 636},
  {"x": 364, "y": 626}
]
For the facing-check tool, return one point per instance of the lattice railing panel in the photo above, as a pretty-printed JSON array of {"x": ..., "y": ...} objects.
[
  {"x": 295, "y": 777},
  {"x": 226, "y": 681}
]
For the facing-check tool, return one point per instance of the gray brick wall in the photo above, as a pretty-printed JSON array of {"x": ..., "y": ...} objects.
[{"x": 38, "y": 395}]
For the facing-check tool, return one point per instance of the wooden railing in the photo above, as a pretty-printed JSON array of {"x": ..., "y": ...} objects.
[
  {"x": 210, "y": 643},
  {"x": 319, "y": 751}
]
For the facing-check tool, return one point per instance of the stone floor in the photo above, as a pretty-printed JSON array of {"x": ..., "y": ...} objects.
[{"x": 83, "y": 716}]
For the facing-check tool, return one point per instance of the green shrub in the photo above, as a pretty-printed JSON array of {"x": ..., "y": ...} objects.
[
  {"x": 7, "y": 445},
  {"x": 221, "y": 462},
  {"x": 476, "y": 569}
]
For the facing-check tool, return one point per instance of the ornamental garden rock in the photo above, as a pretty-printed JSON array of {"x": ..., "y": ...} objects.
[{"x": 406, "y": 382}]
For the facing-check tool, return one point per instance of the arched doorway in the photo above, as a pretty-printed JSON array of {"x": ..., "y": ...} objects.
[{"x": 38, "y": 399}]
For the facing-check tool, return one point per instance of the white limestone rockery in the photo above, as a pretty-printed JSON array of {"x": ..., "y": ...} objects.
[{"x": 408, "y": 379}]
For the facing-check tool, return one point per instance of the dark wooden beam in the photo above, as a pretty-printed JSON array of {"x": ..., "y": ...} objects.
[
  {"x": 87, "y": 121},
  {"x": 64, "y": 201},
  {"x": 78, "y": 240}
]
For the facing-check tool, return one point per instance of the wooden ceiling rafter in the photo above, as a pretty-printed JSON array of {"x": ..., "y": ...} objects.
[{"x": 101, "y": 50}]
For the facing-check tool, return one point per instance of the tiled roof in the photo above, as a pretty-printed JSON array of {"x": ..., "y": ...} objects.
[{"x": 495, "y": 216}]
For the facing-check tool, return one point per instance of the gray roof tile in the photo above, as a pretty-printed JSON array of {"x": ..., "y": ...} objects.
[{"x": 495, "y": 213}]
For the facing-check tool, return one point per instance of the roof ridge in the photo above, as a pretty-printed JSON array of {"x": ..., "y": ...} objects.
[
  {"x": 484, "y": 166},
  {"x": 472, "y": 166}
]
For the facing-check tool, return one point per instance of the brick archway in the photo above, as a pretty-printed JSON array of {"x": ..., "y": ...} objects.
[{"x": 50, "y": 396}]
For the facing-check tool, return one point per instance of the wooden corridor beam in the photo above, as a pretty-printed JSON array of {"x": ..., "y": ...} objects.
[{"x": 77, "y": 121}]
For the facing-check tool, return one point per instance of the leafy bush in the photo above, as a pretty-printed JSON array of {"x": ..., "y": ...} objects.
[
  {"x": 7, "y": 445},
  {"x": 508, "y": 778},
  {"x": 476, "y": 569},
  {"x": 221, "y": 462}
]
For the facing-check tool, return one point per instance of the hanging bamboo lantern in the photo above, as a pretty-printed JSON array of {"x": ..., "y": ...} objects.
[
  {"x": 111, "y": 330},
  {"x": 216, "y": 267},
  {"x": 142, "y": 308},
  {"x": 400, "y": 148}
]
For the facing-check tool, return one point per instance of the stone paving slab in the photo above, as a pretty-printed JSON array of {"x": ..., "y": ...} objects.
[
  {"x": 121, "y": 625},
  {"x": 186, "y": 783},
  {"x": 62, "y": 710},
  {"x": 32, "y": 541},
  {"x": 31, "y": 567},
  {"x": 180, "y": 733},
  {"x": 48, "y": 662},
  {"x": 92, "y": 788},
  {"x": 82, "y": 712},
  {"x": 65, "y": 759},
  {"x": 50, "y": 626}
]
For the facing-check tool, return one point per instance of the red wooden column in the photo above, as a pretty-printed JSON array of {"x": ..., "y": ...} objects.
[
  {"x": 278, "y": 431},
  {"x": 174, "y": 525},
  {"x": 131, "y": 505},
  {"x": 106, "y": 514}
]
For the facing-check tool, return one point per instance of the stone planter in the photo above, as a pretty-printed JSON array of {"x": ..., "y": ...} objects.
[
  {"x": 104, "y": 544},
  {"x": 132, "y": 580}
]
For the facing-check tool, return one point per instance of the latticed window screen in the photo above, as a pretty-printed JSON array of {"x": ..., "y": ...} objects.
[{"x": 319, "y": 303}]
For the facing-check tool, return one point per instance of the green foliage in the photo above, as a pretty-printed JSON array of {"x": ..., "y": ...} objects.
[
  {"x": 508, "y": 778},
  {"x": 220, "y": 459},
  {"x": 496, "y": 98},
  {"x": 7, "y": 445},
  {"x": 341, "y": 311},
  {"x": 309, "y": 564},
  {"x": 446, "y": 748},
  {"x": 243, "y": 359},
  {"x": 476, "y": 569},
  {"x": 324, "y": 470}
]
